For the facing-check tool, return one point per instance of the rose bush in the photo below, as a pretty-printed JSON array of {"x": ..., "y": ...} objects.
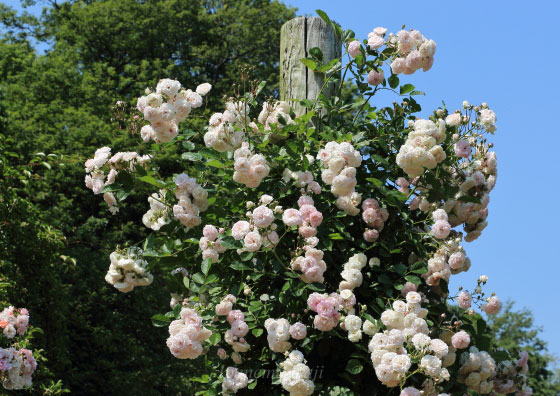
[{"x": 306, "y": 252}]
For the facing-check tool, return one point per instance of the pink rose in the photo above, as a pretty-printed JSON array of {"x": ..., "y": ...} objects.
[
  {"x": 461, "y": 340},
  {"x": 375, "y": 77},
  {"x": 354, "y": 48}
]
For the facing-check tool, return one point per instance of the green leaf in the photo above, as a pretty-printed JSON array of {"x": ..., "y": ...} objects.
[
  {"x": 310, "y": 63},
  {"x": 316, "y": 52},
  {"x": 151, "y": 180},
  {"x": 239, "y": 266},
  {"x": 198, "y": 278},
  {"x": 393, "y": 81},
  {"x": 188, "y": 145},
  {"x": 214, "y": 338},
  {"x": 191, "y": 156},
  {"x": 354, "y": 366},
  {"x": 324, "y": 16},
  {"x": 260, "y": 87},
  {"x": 215, "y": 164},
  {"x": 406, "y": 88},
  {"x": 205, "y": 266},
  {"x": 413, "y": 279},
  {"x": 336, "y": 236},
  {"x": 257, "y": 332},
  {"x": 160, "y": 320},
  {"x": 375, "y": 182}
]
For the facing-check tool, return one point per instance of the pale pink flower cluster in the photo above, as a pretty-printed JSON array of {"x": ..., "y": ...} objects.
[
  {"x": 375, "y": 77},
  {"x": 354, "y": 48},
  {"x": 234, "y": 381},
  {"x": 95, "y": 178},
  {"x": 16, "y": 368},
  {"x": 422, "y": 148},
  {"x": 407, "y": 331},
  {"x": 375, "y": 217},
  {"x": 158, "y": 214},
  {"x": 477, "y": 370},
  {"x": 250, "y": 169},
  {"x": 441, "y": 227},
  {"x": 464, "y": 300},
  {"x": 375, "y": 38},
  {"x": 304, "y": 180},
  {"x": 295, "y": 375},
  {"x": 260, "y": 231},
  {"x": 234, "y": 336},
  {"x": 312, "y": 265},
  {"x": 492, "y": 306},
  {"x": 487, "y": 119},
  {"x": 226, "y": 130},
  {"x": 14, "y": 321},
  {"x": 167, "y": 107},
  {"x": 327, "y": 308},
  {"x": 353, "y": 325},
  {"x": 193, "y": 199},
  {"x": 128, "y": 269},
  {"x": 511, "y": 376},
  {"x": 403, "y": 184},
  {"x": 450, "y": 258},
  {"x": 341, "y": 161},
  {"x": 271, "y": 113},
  {"x": 186, "y": 335},
  {"x": 414, "y": 52},
  {"x": 279, "y": 332},
  {"x": 352, "y": 272},
  {"x": 210, "y": 244},
  {"x": 461, "y": 340}
]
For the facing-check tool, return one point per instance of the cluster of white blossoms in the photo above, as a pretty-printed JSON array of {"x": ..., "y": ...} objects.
[
  {"x": 259, "y": 231},
  {"x": 239, "y": 328},
  {"x": 186, "y": 335},
  {"x": 193, "y": 199},
  {"x": 421, "y": 149},
  {"x": 341, "y": 161},
  {"x": 449, "y": 258},
  {"x": 14, "y": 321},
  {"x": 167, "y": 107},
  {"x": 272, "y": 113},
  {"x": 476, "y": 178},
  {"x": 304, "y": 180},
  {"x": 210, "y": 244},
  {"x": 95, "y": 173},
  {"x": 226, "y": 130},
  {"x": 128, "y": 269},
  {"x": 511, "y": 376},
  {"x": 352, "y": 272},
  {"x": 158, "y": 214},
  {"x": 295, "y": 375},
  {"x": 16, "y": 368},
  {"x": 250, "y": 169},
  {"x": 353, "y": 325},
  {"x": 406, "y": 336},
  {"x": 375, "y": 217},
  {"x": 477, "y": 370},
  {"x": 234, "y": 381},
  {"x": 279, "y": 332},
  {"x": 414, "y": 52},
  {"x": 441, "y": 227}
]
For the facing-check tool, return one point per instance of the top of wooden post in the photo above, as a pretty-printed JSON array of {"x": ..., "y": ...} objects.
[{"x": 297, "y": 37}]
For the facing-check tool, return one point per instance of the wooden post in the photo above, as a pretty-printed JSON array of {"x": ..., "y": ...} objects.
[{"x": 297, "y": 37}]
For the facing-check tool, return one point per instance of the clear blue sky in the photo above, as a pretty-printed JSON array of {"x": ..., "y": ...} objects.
[{"x": 505, "y": 54}]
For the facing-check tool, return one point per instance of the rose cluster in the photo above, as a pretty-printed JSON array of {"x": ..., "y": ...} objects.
[
  {"x": 279, "y": 332},
  {"x": 193, "y": 199},
  {"x": 352, "y": 272},
  {"x": 477, "y": 370},
  {"x": 260, "y": 231},
  {"x": 449, "y": 258},
  {"x": 272, "y": 113},
  {"x": 16, "y": 368},
  {"x": 158, "y": 214},
  {"x": 421, "y": 149},
  {"x": 375, "y": 217},
  {"x": 210, "y": 244},
  {"x": 226, "y": 130},
  {"x": 407, "y": 336},
  {"x": 341, "y": 161},
  {"x": 250, "y": 169},
  {"x": 167, "y": 107},
  {"x": 295, "y": 375},
  {"x": 304, "y": 180},
  {"x": 511, "y": 376},
  {"x": 234, "y": 381},
  {"x": 414, "y": 52},
  {"x": 128, "y": 269},
  {"x": 328, "y": 308},
  {"x": 186, "y": 335},
  {"x": 14, "y": 321},
  {"x": 239, "y": 328}
]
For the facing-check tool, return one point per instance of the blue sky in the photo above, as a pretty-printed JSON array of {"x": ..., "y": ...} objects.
[{"x": 505, "y": 56}]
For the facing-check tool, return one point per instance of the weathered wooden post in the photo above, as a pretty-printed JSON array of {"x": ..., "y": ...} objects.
[{"x": 297, "y": 37}]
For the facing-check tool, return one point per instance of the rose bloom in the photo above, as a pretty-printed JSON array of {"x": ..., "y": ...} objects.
[
  {"x": 453, "y": 119},
  {"x": 493, "y": 306},
  {"x": 263, "y": 216},
  {"x": 441, "y": 229},
  {"x": 298, "y": 331},
  {"x": 375, "y": 77},
  {"x": 292, "y": 217},
  {"x": 462, "y": 148},
  {"x": 210, "y": 232},
  {"x": 253, "y": 241},
  {"x": 410, "y": 392},
  {"x": 354, "y": 48},
  {"x": 461, "y": 340},
  {"x": 464, "y": 299},
  {"x": 240, "y": 229}
]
